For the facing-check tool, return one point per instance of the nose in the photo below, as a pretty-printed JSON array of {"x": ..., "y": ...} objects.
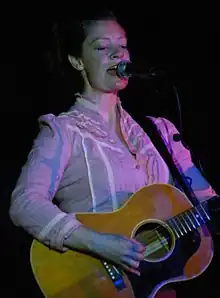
[{"x": 117, "y": 54}]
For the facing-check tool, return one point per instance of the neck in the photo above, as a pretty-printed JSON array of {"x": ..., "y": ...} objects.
[{"x": 105, "y": 104}]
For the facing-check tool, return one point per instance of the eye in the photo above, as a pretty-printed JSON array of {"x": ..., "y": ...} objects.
[{"x": 101, "y": 48}]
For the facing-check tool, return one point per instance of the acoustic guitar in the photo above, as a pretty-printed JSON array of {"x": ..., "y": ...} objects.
[{"x": 178, "y": 243}]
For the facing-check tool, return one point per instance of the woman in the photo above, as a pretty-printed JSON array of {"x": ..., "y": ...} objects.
[{"x": 80, "y": 158}]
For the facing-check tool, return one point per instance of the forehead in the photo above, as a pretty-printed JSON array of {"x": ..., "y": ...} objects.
[{"x": 105, "y": 28}]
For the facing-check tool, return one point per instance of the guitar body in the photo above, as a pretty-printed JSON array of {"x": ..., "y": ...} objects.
[{"x": 143, "y": 216}]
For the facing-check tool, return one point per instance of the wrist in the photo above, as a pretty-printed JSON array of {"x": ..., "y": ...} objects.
[{"x": 83, "y": 239}]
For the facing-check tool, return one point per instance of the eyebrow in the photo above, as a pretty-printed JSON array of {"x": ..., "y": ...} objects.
[{"x": 106, "y": 38}]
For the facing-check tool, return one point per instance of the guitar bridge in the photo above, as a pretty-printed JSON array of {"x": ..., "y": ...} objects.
[{"x": 116, "y": 275}]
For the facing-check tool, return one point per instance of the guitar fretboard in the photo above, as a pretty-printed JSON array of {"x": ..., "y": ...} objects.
[{"x": 189, "y": 220}]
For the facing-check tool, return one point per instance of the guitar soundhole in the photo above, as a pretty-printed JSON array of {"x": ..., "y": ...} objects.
[{"x": 158, "y": 238}]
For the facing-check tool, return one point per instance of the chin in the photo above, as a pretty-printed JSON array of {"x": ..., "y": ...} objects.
[
  {"x": 121, "y": 84},
  {"x": 115, "y": 86}
]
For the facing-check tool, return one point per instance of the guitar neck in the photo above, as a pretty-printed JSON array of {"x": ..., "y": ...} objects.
[{"x": 192, "y": 218}]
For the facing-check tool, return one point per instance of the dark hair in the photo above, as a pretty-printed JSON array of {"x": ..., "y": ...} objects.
[{"x": 68, "y": 37}]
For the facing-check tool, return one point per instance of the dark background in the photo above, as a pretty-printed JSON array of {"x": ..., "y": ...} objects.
[{"x": 182, "y": 41}]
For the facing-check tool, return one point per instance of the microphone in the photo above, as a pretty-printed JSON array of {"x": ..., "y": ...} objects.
[{"x": 125, "y": 69}]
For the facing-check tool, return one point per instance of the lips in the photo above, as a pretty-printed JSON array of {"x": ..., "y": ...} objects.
[{"x": 113, "y": 67}]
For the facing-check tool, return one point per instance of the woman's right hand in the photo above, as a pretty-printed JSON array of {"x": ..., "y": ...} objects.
[
  {"x": 118, "y": 249},
  {"x": 121, "y": 250}
]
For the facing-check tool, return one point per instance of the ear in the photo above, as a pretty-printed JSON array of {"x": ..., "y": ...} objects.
[{"x": 76, "y": 63}]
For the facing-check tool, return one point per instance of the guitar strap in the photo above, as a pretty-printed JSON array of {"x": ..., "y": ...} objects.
[{"x": 155, "y": 135}]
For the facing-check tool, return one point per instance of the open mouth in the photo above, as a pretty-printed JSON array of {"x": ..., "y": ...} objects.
[
  {"x": 112, "y": 70},
  {"x": 113, "y": 67}
]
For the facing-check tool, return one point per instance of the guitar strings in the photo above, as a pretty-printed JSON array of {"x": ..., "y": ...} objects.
[
  {"x": 155, "y": 237},
  {"x": 161, "y": 228},
  {"x": 158, "y": 230}
]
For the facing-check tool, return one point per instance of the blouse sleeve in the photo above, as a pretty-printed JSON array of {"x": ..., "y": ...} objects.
[
  {"x": 183, "y": 160},
  {"x": 31, "y": 200}
]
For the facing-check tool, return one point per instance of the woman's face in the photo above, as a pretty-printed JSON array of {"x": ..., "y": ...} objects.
[{"x": 104, "y": 46}]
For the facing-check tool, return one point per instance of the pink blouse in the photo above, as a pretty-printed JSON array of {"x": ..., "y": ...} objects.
[{"x": 78, "y": 164}]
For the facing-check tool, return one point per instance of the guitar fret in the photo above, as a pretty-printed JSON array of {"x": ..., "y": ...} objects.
[
  {"x": 181, "y": 225},
  {"x": 195, "y": 220},
  {"x": 186, "y": 223},
  {"x": 178, "y": 227},
  {"x": 190, "y": 220},
  {"x": 206, "y": 214},
  {"x": 200, "y": 214},
  {"x": 195, "y": 217},
  {"x": 173, "y": 228}
]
